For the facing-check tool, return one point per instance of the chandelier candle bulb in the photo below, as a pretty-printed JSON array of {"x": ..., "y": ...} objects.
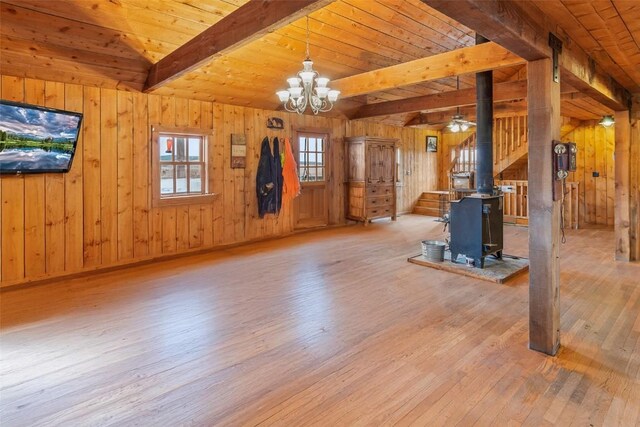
[
  {"x": 295, "y": 92},
  {"x": 322, "y": 81},
  {"x": 283, "y": 95},
  {"x": 293, "y": 81},
  {"x": 322, "y": 92}
]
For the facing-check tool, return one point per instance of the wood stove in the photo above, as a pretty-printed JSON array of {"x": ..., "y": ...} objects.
[{"x": 476, "y": 228}]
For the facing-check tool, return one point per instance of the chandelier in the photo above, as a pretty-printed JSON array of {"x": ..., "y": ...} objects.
[
  {"x": 458, "y": 123},
  {"x": 308, "y": 89}
]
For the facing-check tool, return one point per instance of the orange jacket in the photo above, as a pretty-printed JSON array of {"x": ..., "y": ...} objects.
[{"x": 291, "y": 188}]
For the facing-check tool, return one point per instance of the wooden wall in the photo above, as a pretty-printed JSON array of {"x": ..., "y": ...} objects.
[
  {"x": 99, "y": 214},
  {"x": 418, "y": 169},
  {"x": 595, "y": 154}
]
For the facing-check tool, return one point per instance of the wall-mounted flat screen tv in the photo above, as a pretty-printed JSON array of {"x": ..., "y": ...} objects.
[{"x": 36, "y": 139}]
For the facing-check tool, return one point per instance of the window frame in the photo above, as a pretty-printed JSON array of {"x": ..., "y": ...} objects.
[
  {"x": 313, "y": 133},
  {"x": 207, "y": 196}
]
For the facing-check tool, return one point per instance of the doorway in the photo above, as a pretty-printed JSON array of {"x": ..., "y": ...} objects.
[{"x": 311, "y": 207}]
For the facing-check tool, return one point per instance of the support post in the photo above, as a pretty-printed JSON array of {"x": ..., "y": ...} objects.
[
  {"x": 544, "y": 214},
  {"x": 622, "y": 158},
  {"x": 634, "y": 178}
]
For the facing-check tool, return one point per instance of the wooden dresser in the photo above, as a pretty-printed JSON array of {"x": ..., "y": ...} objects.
[{"x": 371, "y": 177}]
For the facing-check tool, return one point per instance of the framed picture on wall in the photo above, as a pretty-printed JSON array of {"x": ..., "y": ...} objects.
[{"x": 432, "y": 144}]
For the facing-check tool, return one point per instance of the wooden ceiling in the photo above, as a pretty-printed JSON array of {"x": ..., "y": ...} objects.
[{"x": 114, "y": 43}]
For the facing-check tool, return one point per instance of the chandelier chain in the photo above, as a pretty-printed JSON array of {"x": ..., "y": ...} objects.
[{"x": 308, "y": 55}]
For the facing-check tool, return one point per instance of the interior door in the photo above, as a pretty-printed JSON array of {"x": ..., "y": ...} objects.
[
  {"x": 374, "y": 157},
  {"x": 387, "y": 164},
  {"x": 311, "y": 207}
]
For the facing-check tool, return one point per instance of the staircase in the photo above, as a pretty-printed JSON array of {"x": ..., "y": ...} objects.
[
  {"x": 510, "y": 152},
  {"x": 464, "y": 159},
  {"x": 510, "y": 148},
  {"x": 432, "y": 203}
]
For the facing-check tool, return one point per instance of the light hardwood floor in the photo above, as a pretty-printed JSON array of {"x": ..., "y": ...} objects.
[{"x": 326, "y": 328}]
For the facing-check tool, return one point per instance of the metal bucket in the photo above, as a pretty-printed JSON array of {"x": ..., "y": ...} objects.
[{"x": 433, "y": 250}]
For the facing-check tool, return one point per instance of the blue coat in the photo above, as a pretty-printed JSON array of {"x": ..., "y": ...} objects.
[{"x": 269, "y": 179}]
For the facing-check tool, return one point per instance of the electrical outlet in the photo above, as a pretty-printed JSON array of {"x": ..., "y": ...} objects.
[{"x": 595, "y": 174}]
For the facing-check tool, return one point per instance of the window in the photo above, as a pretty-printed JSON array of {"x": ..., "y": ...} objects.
[
  {"x": 311, "y": 164},
  {"x": 179, "y": 166}
]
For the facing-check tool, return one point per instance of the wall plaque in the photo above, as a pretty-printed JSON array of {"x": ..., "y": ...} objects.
[{"x": 238, "y": 150}]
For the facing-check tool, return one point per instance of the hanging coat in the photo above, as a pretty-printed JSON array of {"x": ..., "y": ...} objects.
[
  {"x": 269, "y": 179},
  {"x": 291, "y": 188}
]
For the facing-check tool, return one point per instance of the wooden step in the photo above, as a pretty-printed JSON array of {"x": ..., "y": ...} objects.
[
  {"x": 421, "y": 210},
  {"x": 435, "y": 195},
  {"x": 428, "y": 203}
]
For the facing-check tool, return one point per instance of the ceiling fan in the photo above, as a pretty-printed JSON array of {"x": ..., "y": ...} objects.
[{"x": 458, "y": 123}]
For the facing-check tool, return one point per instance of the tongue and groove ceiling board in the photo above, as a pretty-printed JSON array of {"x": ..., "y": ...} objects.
[
  {"x": 114, "y": 43},
  {"x": 609, "y": 31}
]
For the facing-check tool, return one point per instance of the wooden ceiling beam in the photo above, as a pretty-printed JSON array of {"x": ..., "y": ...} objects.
[
  {"x": 472, "y": 59},
  {"x": 247, "y": 23},
  {"x": 504, "y": 109},
  {"x": 506, "y": 91},
  {"x": 524, "y": 30}
]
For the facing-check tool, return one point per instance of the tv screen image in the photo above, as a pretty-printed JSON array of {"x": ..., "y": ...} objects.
[{"x": 36, "y": 139}]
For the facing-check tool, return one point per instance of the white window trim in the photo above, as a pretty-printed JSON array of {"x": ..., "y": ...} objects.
[{"x": 156, "y": 198}]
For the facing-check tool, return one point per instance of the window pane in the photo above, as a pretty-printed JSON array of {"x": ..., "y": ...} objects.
[
  {"x": 312, "y": 144},
  {"x": 166, "y": 149},
  {"x": 181, "y": 179},
  {"x": 180, "y": 150},
  {"x": 301, "y": 162},
  {"x": 195, "y": 179},
  {"x": 304, "y": 174},
  {"x": 319, "y": 157},
  {"x": 320, "y": 145},
  {"x": 312, "y": 159},
  {"x": 320, "y": 174},
  {"x": 194, "y": 149},
  {"x": 166, "y": 179}
]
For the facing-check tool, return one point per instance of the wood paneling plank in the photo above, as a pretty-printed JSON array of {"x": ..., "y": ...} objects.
[
  {"x": 91, "y": 178},
  {"x": 55, "y": 196},
  {"x": 125, "y": 230},
  {"x": 34, "y": 193},
  {"x": 108, "y": 175},
  {"x": 73, "y": 207},
  {"x": 12, "y": 209},
  {"x": 141, "y": 178}
]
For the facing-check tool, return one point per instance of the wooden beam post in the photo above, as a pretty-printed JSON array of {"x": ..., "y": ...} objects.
[
  {"x": 471, "y": 59},
  {"x": 506, "y": 91},
  {"x": 622, "y": 183},
  {"x": 544, "y": 214},
  {"x": 634, "y": 178}
]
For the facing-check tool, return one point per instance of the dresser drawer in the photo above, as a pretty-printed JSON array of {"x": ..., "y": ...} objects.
[
  {"x": 379, "y": 201},
  {"x": 379, "y": 190},
  {"x": 378, "y": 212}
]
